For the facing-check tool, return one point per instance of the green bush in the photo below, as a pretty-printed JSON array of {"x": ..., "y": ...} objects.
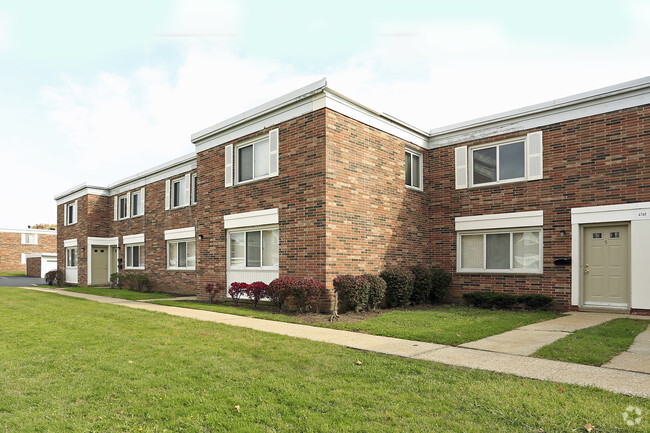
[
  {"x": 536, "y": 301},
  {"x": 440, "y": 281},
  {"x": 115, "y": 280},
  {"x": 399, "y": 286},
  {"x": 135, "y": 282},
  {"x": 280, "y": 289},
  {"x": 306, "y": 293},
  {"x": 376, "y": 291},
  {"x": 55, "y": 278},
  {"x": 353, "y": 292},
  {"x": 504, "y": 300},
  {"x": 421, "y": 284}
]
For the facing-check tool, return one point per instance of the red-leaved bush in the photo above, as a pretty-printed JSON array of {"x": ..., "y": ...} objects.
[
  {"x": 306, "y": 294},
  {"x": 256, "y": 291},
  {"x": 213, "y": 289},
  {"x": 236, "y": 290},
  {"x": 280, "y": 289}
]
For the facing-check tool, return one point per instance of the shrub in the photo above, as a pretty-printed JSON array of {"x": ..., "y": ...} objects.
[
  {"x": 440, "y": 281},
  {"x": 256, "y": 291},
  {"x": 353, "y": 292},
  {"x": 399, "y": 286},
  {"x": 136, "y": 282},
  {"x": 236, "y": 290},
  {"x": 478, "y": 299},
  {"x": 116, "y": 282},
  {"x": 492, "y": 300},
  {"x": 213, "y": 289},
  {"x": 376, "y": 290},
  {"x": 306, "y": 293},
  {"x": 536, "y": 301},
  {"x": 421, "y": 284},
  {"x": 279, "y": 290},
  {"x": 504, "y": 300},
  {"x": 55, "y": 278}
]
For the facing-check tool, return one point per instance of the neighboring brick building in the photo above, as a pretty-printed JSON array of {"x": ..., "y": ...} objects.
[
  {"x": 553, "y": 199},
  {"x": 15, "y": 244}
]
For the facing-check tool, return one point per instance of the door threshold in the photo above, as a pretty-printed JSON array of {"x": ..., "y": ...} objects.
[{"x": 604, "y": 309}]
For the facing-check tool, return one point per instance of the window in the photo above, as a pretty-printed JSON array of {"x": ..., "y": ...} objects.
[
  {"x": 413, "y": 169},
  {"x": 134, "y": 256},
  {"x": 195, "y": 183},
  {"x": 253, "y": 161},
  {"x": 501, "y": 251},
  {"x": 70, "y": 213},
  {"x": 254, "y": 248},
  {"x": 178, "y": 192},
  {"x": 71, "y": 257},
  {"x": 29, "y": 239},
  {"x": 499, "y": 163},
  {"x": 181, "y": 254},
  {"x": 123, "y": 207},
  {"x": 136, "y": 204}
]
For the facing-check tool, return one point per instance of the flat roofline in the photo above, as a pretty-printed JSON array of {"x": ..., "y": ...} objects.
[
  {"x": 161, "y": 167},
  {"x": 579, "y": 98},
  {"x": 78, "y": 188}
]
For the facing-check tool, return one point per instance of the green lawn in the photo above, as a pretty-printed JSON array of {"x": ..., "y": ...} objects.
[
  {"x": 595, "y": 345},
  {"x": 77, "y": 366},
  {"x": 12, "y": 274},
  {"x": 445, "y": 325},
  {"x": 119, "y": 293}
]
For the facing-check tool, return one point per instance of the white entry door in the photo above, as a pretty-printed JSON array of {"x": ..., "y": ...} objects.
[{"x": 606, "y": 266}]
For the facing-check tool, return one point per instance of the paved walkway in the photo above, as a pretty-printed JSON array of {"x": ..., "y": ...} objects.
[{"x": 612, "y": 379}]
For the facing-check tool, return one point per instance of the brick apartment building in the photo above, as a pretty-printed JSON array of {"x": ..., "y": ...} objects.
[
  {"x": 552, "y": 198},
  {"x": 16, "y": 245}
]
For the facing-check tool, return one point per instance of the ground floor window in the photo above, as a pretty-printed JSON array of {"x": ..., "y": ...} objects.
[
  {"x": 181, "y": 254},
  {"x": 517, "y": 251},
  {"x": 71, "y": 257},
  {"x": 135, "y": 256},
  {"x": 254, "y": 248}
]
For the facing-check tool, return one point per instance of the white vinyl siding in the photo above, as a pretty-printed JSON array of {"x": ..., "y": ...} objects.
[
  {"x": 497, "y": 251},
  {"x": 514, "y": 160},
  {"x": 413, "y": 169}
]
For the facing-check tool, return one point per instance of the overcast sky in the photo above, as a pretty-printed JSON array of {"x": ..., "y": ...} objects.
[{"x": 96, "y": 91}]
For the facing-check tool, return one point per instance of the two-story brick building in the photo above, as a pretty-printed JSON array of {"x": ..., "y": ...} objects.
[
  {"x": 17, "y": 244},
  {"x": 552, "y": 198}
]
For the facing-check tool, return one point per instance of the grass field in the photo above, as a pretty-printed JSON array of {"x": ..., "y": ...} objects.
[
  {"x": 119, "y": 293},
  {"x": 74, "y": 365},
  {"x": 12, "y": 274},
  {"x": 595, "y": 345},
  {"x": 445, "y": 325}
]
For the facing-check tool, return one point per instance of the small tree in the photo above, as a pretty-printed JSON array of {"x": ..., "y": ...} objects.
[{"x": 213, "y": 289}]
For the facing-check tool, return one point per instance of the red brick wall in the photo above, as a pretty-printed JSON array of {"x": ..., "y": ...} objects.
[
  {"x": 78, "y": 231},
  {"x": 33, "y": 267},
  {"x": 373, "y": 220},
  {"x": 597, "y": 160},
  {"x": 11, "y": 249},
  {"x": 298, "y": 192}
]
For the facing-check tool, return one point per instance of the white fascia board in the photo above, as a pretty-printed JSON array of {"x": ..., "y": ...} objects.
[
  {"x": 261, "y": 110},
  {"x": 103, "y": 241},
  {"x": 610, "y": 213},
  {"x": 251, "y": 219},
  {"x": 133, "y": 239},
  {"x": 40, "y": 255},
  {"x": 69, "y": 243},
  {"x": 35, "y": 231},
  {"x": 80, "y": 191},
  {"x": 501, "y": 221},
  {"x": 164, "y": 171},
  {"x": 182, "y": 233},
  {"x": 621, "y": 96}
]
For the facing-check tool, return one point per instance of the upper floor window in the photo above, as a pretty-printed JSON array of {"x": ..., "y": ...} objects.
[
  {"x": 136, "y": 203},
  {"x": 70, "y": 213},
  {"x": 129, "y": 205},
  {"x": 124, "y": 207},
  {"x": 413, "y": 168},
  {"x": 507, "y": 161},
  {"x": 29, "y": 239},
  {"x": 178, "y": 192},
  {"x": 253, "y": 160},
  {"x": 195, "y": 184}
]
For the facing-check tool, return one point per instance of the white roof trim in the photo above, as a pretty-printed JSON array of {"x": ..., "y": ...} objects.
[
  {"x": 35, "y": 231},
  {"x": 69, "y": 243},
  {"x": 182, "y": 233},
  {"x": 39, "y": 255},
  {"x": 100, "y": 241},
  {"x": 611, "y": 213},
  {"x": 133, "y": 239},
  {"x": 80, "y": 191},
  {"x": 251, "y": 219},
  {"x": 500, "y": 221}
]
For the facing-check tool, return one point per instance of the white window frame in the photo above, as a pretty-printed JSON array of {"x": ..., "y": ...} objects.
[
  {"x": 236, "y": 160},
  {"x": 68, "y": 209},
  {"x": 123, "y": 199},
  {"x": 174, "y": 244},
  {"x": 194, "y": 188},
  {"x": 136, "y": 197},
  {"x": 511, "y": 269},
  {"x": 181, "y": 198},
  {"x": 128, "y": 247},
  {"x": 497, "y": 145},
  {"x": 249, "y": 230},
  {"x": 29, "y": 239},
  {"x": 411, "y": 154},
  {"x": 71, "y": 257}
]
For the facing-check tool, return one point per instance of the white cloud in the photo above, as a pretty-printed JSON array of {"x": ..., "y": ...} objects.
[{"x": 6, "y": 38}]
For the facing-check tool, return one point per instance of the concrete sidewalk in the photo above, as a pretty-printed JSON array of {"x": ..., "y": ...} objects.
[{"x": 615, "y": 380}]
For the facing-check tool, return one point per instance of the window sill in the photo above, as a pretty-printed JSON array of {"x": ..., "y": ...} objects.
[
  {"x": 178, "y": 207},
  {"x": 503, "y": 182},
  {"x": 134, "y": 269},
  {"x": 413, "y": 188},
  {"x": 248, "y": 182},
  {"x": 182, "y": 269},
  {"x": 499, "y": 272},
  {"x": 264, "y": 269}
]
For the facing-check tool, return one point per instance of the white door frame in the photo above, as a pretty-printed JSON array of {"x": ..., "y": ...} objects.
[{"x": 100, "y": 242}]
